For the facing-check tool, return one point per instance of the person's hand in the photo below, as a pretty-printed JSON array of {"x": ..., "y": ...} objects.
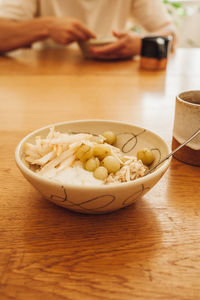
[
  {"x": 65, "y": 31},
  {"x": 126, "y": 46}
]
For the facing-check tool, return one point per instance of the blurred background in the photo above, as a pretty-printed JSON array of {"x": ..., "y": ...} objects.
[{"x": 186, "y": 17}]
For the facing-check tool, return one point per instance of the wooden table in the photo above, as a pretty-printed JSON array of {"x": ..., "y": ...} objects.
[{"x": 150, "y": 250}]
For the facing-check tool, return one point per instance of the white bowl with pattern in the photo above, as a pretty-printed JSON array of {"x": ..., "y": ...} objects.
[{"x": 104, "y": 198}]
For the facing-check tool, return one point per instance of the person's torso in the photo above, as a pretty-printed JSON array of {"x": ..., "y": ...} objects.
[{"x": 101, "y": 16}]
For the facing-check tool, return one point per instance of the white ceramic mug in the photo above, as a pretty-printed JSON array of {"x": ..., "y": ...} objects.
[{"x": 186, "y": 122}]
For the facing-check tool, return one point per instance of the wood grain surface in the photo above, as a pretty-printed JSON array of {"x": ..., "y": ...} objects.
[{"x": 150, "y": 250}]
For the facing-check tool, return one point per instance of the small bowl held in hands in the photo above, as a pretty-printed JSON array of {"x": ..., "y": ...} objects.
[
  {"x": 93, "y": 199},
  {"x": 98, "y": 42}
]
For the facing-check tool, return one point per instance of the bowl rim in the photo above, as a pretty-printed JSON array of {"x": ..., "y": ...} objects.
[{"x": 161, "y": 169}]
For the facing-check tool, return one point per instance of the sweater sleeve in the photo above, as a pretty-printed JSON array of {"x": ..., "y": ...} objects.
[
  {"x": 152, "y": 15},
  {"x": 18, "y": 10}
]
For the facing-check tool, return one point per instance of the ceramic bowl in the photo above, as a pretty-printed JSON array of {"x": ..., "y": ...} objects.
[
  {"x": 104, "y": 198},
  {"x": 85, "y": 46}
]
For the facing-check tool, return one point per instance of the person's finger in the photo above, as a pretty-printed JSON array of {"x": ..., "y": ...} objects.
[
  {"x": 119, "y": 34},
  {"x": 77, "y": 34},
  {"x": 121, "y": 54},
  {"x": 82, "y": 28},
  {"x": 108, "y": 49}
]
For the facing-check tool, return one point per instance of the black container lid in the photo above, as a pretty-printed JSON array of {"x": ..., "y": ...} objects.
[{"x": 155, "y": 46}]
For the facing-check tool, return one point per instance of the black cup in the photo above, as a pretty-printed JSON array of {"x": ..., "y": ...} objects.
[{"x": 154, "y": 52}]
